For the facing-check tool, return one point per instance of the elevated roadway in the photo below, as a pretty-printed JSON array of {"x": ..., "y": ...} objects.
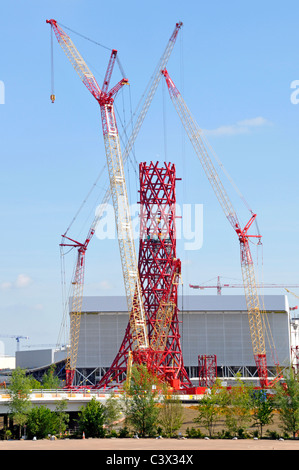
[{"x": 75, "y": 399}]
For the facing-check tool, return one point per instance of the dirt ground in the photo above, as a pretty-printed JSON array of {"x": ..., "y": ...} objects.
[{"x": 156, "y": 445}]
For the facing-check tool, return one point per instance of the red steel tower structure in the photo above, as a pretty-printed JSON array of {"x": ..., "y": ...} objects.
[
  {"x": 156, "y": 263},
  {"x": 157, "y": 260}
]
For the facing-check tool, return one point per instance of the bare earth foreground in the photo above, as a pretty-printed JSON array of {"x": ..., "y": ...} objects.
[{"x": 152, "y": 445}]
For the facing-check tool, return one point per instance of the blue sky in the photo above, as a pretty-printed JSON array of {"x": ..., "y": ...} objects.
[{"x": 234, "y": 64}]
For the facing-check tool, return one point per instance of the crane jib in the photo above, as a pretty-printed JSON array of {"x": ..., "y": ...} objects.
[{"x": 247, "y": 266}]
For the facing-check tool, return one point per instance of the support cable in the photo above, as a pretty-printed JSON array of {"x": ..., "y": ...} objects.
[{"x": 85, "y": 37}]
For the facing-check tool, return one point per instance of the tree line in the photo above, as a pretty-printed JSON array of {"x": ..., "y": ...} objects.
[{"x": 146, "y": 408}]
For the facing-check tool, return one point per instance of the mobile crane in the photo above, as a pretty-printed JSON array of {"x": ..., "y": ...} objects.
[
  {"x": 202, "y": 149},
  {"x": 105, "y": 99}
]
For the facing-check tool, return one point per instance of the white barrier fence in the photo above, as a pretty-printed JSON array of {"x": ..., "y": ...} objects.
[{"x": 75, "y": 398}]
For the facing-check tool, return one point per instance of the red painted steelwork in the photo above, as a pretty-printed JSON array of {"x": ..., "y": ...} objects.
[
  {"x": 157, "y": 255},
  {"x": 207, "y": 370}
]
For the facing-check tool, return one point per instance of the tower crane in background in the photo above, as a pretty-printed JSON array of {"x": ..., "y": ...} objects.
[
  {"x": 89, "y": 81},
  {"x": 202, "y": 149},
  {"x": 16, "y": 337},
  {"x": 105, "y": 98},
  {"x": 220, "y": 286}
]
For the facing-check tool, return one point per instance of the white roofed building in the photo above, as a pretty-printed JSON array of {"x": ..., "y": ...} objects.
[{"x": 210, "y": 325}]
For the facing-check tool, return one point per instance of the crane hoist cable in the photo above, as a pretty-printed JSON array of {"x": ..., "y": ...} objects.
[{"x": 52, "y": 96}]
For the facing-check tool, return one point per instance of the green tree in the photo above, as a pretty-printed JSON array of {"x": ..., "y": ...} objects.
[
  {"x": 91, "y": 419},
  {"x": 171, "y": 415},
  {"x": 238, "y": 408},
  {"x": 34, "y": 383},
  {"x": 210, "y": 408},
  {"x": 49, "y": 379},
  {"x": 263, "y": 409},
  {"x": 287, "y": 402},
  {"x": 41, "y": 422},
  {"x": 113, "y": 411},
  {"x": 140, "y": 401},
  {"x": 62, "y": 418},
  {"x": 19, "y": 391}
]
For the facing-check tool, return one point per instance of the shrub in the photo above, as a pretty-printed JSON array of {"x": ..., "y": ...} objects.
[
  {"x": 41, "y": 422},
  {"x": 91, "y": 419}
]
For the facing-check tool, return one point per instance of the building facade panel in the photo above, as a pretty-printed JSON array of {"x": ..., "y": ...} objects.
[
  {"x": 223, "y": 332},
  {"x": 100, "y": 337},
  {"x": 209, "y": 325}
]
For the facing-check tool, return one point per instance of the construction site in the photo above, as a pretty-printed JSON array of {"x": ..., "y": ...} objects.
[{"x": 186, "y": 340}]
